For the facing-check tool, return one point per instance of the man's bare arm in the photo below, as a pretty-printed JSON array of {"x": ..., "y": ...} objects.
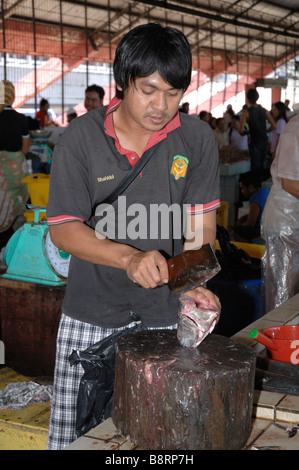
[
  {"x": 148, "y": 269},
  {"x": 201, "y": 229}
]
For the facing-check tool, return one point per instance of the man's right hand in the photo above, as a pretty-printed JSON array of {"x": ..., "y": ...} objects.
[{"x": 147, "y": 269}]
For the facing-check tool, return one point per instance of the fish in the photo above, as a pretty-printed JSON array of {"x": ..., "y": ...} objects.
[{"x": 196, "y": 321}]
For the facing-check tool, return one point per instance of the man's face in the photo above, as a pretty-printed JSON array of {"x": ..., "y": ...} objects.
[
  {"x": 45, "y": 108},
  {"x": 222, "y": 125},
  {"x": 245, "y": 191},
  {"x": 151, "y": 102},
  {"x": 92, "y": 100}
]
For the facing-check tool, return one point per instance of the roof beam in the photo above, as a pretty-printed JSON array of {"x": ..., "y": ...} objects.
[
  {"x": 250, "y": 24},
  {"x": 12, "y": 9}
]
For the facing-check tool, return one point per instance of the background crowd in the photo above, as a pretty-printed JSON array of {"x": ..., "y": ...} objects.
[{"x": 252, "y": 129}]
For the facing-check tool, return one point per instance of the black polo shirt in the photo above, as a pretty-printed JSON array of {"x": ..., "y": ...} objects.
[
  {"x": 13, "y": 127},
  {"x": 88, "y": 163}
]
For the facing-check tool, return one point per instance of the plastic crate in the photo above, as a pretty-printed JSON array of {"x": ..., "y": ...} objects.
[
  {"x": 252, "y": 249},
  {"x": 38, "y": 188},
  {"x": 29, "y": 216}
]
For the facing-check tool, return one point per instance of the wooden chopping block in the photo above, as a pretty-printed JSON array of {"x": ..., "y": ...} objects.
[{"x": 169, "y": 397}]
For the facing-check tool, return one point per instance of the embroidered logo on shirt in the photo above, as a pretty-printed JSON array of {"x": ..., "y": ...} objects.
[
  {"x": 179, "y": 166},
  {"x": 105, "y": 178}
]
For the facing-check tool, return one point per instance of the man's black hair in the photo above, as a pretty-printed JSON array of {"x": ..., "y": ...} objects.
[
  {"x": 252, "y": 95},
  {"x": 203, "y": 114},
  {"x": 281, "y": 108},
  {"x": 152, "y": 48},
  {"x": 100, "y": 90},
  {"x": 43, "y": 102}
]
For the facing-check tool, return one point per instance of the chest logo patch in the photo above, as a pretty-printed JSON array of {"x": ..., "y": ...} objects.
[{"x": 179, "y": 166}]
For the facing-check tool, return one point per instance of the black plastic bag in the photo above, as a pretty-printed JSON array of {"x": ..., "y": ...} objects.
[
  {"x": 235, "y": 263},
  {"x": 97, "y": 383}
]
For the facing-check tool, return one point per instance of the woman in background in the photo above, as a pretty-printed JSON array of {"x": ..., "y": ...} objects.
[
  {"x": 14, "y": 141},
  {"x": 235, "y": 139},
  {"x": 278, "y": 112},
  {"x": 43, "y": 115}
]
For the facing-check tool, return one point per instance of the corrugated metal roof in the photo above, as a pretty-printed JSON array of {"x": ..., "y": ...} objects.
[{"x": 224, "y": 36}]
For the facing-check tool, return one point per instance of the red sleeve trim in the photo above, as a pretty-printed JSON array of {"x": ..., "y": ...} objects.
[
  {"x": 202, "y": 208},
  {"x": 60, "y": 219}
]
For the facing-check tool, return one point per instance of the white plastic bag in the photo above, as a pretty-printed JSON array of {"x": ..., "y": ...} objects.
[{"x": 280, "y": 263}]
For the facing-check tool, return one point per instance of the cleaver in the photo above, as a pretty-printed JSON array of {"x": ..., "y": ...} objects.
[{"x": 192, "y": 268}]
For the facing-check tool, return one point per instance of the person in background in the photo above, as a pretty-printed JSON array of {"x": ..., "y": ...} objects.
[
  {"x": 280, "y": 221},
  {"x": 228, "y": 114},
  {"x": 184, "y": 108},
  {"x": 43, "y": 114},
  {"x": 248, "y": 226},
  {"x": 221, "y": 132},
  {"x": 71, "y": 114},
  {"x": 207, "y": 117},
  {"x": 278, "y": 112},
  {"x": 256, "y": 117},
  {"x": 94, "y": 96},
  {"x": 114, "y": 274},
  {"x": 204, "y": 116},
  {"x": 14, "y": 142},
  {"x": 212, "y": 122},
  {"x": 235, "y": 139}
]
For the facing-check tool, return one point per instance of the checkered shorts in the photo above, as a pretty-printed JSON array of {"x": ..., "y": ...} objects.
[{"x": 78, "y": 336}]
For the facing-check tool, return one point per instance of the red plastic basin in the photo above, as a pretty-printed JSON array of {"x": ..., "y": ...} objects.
[{"x": 286, "y": 338}]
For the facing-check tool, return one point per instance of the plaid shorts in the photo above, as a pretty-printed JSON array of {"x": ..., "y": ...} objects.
[{"x": 78, "y": 336}]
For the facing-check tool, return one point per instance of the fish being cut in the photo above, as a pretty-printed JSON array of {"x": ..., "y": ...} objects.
[{"x": 196, "y": 321}]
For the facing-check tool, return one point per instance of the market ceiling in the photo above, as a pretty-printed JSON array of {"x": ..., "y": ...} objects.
[{"x": 247, "y": 37}]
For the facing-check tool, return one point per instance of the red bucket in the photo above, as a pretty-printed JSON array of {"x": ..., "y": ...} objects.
[{"x": 286, "y": 338}]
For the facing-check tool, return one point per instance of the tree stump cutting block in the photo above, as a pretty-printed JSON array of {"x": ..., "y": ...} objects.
[{"x": 169, "y": 397}]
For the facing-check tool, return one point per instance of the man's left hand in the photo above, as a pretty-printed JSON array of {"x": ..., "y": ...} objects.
[{"x": 203, "y": 295}]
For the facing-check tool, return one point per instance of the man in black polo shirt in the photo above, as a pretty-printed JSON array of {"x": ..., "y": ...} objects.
[{"x": 118, "y": 265}]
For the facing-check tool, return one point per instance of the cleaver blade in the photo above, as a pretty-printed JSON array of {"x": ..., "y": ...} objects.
[{"x": 192, "y": 268}]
